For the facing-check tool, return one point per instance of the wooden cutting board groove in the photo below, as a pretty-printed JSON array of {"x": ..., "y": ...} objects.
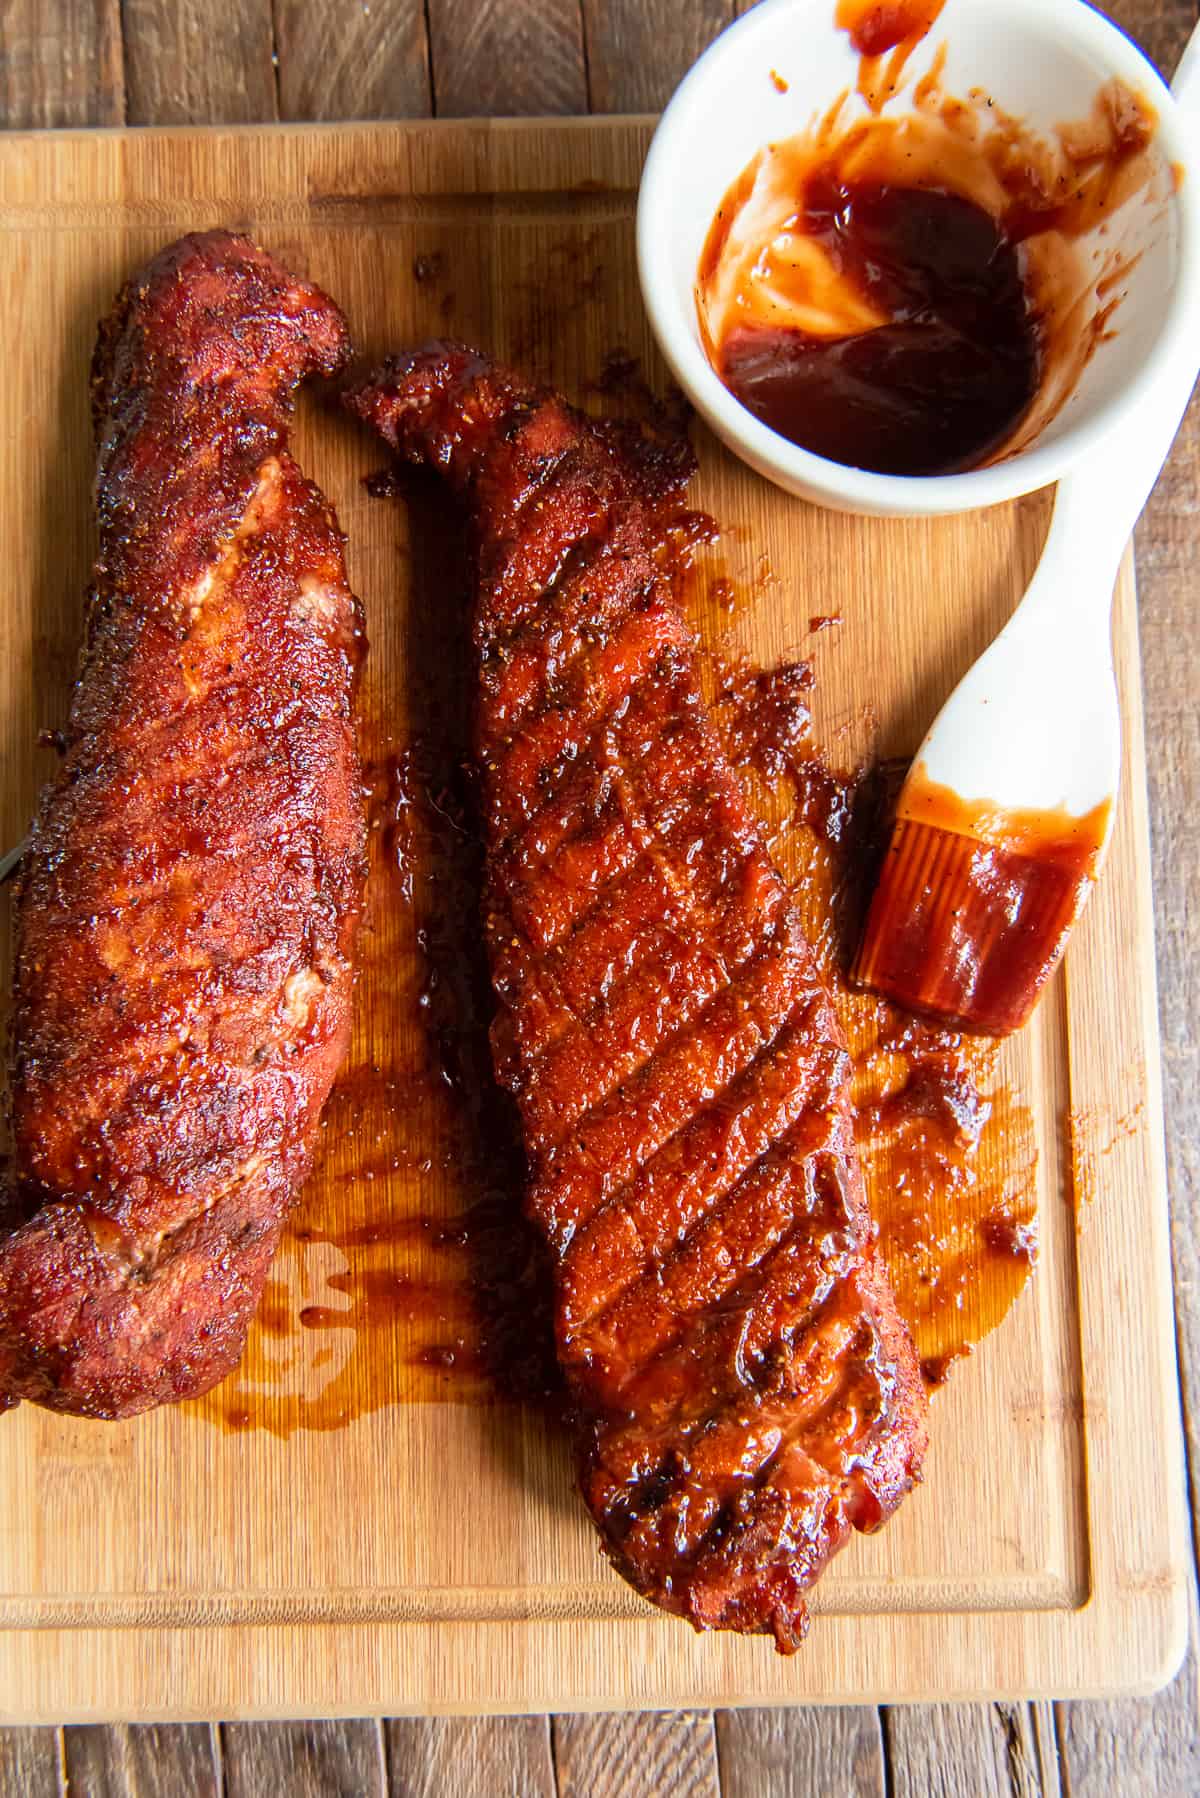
[{"x": 430, "y": 1556}]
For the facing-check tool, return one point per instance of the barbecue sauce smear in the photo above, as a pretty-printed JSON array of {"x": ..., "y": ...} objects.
[{"x": 408, "y": 1273}]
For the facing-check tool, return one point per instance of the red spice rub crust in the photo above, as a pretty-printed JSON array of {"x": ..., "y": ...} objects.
[
  {"x": 187, "y": 906},
  {"x": 746, "y": 1391}
]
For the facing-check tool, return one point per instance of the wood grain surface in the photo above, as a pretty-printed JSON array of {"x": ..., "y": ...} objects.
[
  {"x": 63, "y": 62},
  {"x": 427, "y": 1757}
]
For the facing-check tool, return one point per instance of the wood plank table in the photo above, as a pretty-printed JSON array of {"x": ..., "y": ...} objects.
[{"x": 112, "y": 62}]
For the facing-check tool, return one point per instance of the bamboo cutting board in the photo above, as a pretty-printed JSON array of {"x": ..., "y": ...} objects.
[{"x": 428, "y": 1555}]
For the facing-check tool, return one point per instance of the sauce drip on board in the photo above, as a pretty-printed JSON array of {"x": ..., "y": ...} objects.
[
  {"x": 919, "y": 293},
  {"x": 975, "y": 903},
  {"x": 408, "y": 1275}
]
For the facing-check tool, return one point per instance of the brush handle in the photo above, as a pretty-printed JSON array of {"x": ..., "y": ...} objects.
[{"x": 1098, "y": 505}]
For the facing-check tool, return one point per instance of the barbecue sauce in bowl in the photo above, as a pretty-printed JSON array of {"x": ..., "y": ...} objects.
[
  {"x": 915, "y": 289},
  {"x": 949, "y": 370}
]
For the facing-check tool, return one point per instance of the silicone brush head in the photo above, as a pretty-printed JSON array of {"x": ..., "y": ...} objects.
[{"x": 973, "y": 908}]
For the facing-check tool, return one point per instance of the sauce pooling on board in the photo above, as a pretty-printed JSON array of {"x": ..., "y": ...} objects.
[{"x": 911, "y": 293}]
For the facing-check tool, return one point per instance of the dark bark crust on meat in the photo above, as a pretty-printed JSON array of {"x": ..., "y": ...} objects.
[
  {"x": 746, "y": 1392},
  {"x": 187, "y": 906}
]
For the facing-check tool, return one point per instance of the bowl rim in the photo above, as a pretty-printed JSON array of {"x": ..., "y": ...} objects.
[{"x": 865, "y": 490}]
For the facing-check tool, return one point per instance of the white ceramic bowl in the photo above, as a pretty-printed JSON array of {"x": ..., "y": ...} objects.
[{"x": 1043, "y": 61}]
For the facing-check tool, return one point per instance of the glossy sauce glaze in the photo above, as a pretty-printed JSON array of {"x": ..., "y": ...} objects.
[
  {"x": 905, "y": 293},
  {"x": 975, "y": 903},
  {"x": 409, "y": 1274}
]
